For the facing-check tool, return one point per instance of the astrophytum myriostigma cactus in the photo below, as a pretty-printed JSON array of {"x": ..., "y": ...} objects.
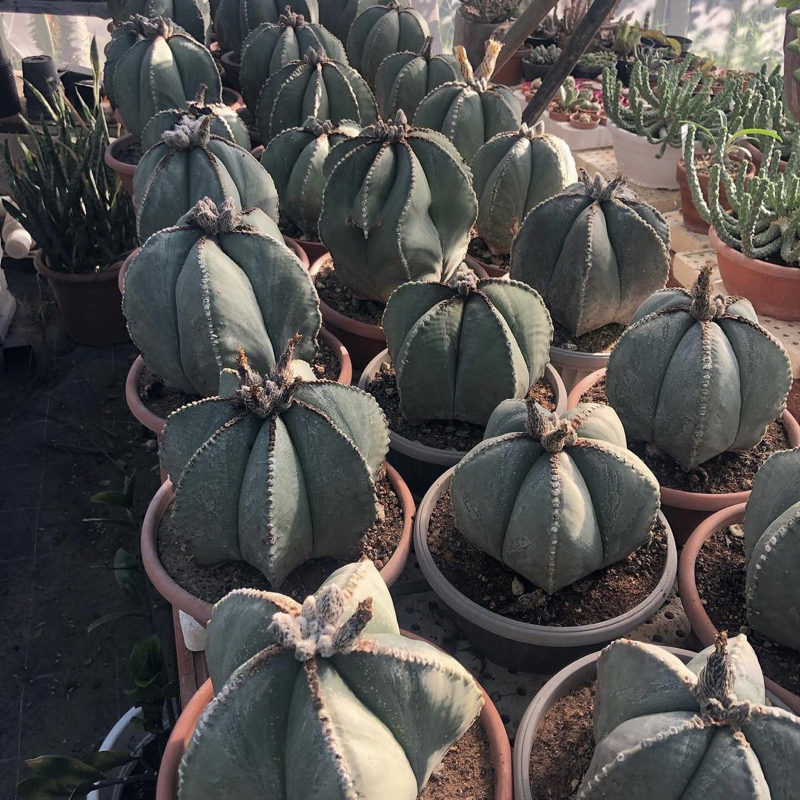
[
  {"x": 594, "y": 252},
  {"x": 339, "y": 15},
  {"x": 459, "y": 350},
  {"x": 554, "y": 499},
  {"x": 272, "y": 46},
  {"x": 471, "y": 111},
  {"x": 398, "y": 206},
  {"x": 699, "y": 731},
  {"x": 274, "y": 470},
  {"x": 295, "y": 159},
  {"x": 380, "y": 31},
  {"x": 217, "y": 281},
  {"x": 315, "y": 86},
  {"x": 324, "y": 701},
  {"x": 696, "y": 375},
  {"x": 512, "y": 173},
  {"x": 194, "y": 16},
  {"x": 189, "y": 164},
  {"x": 772, "y": 548},
  {"x": 154, "y": 65}
]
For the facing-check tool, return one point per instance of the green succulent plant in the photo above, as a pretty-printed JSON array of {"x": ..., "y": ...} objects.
[
  {"x": 554, "y": 498},
  {"x": 542, "y": 55},
  {"x": 324, "y": 699},
  {"x": 339, "y": 15},
  {"x": 570, "y": 98},
  {"x": 194, "y": 16}
]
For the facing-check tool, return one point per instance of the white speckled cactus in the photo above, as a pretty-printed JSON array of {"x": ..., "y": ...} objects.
[
  {"x": 194, "y": 16},
  {"x": 772, "y": 547},
  {"x": 217, "y": 281},
  {"x": 275, "y": 470},
  {"x": 669, "y": 731},
  {"x": 459, "y": 350},
  {"x": 397, "y": 206},
  {"x": 595, "y": 253},
  {"x": 473, "y": 110},
  {"x": 355, "y": 710},
  {"x": 554, "y": 499},
  {"x": 512, "y": 173},
  {"x": 696, "y": 375}
]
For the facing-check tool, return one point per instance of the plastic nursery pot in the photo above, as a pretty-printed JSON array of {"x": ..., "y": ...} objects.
[
  {"x": 472, "y": 35},
  {"x": 421, "y": 464},
  {"x": 519, "y": 645},
  {"x": 122, "y": 168},
  {"x": 574, "y": 367},
  {"x": 636, "y": 158},
  {"x": 90, "y": 304},
  {"x": 701, "y": 623},
  {"x": 199, "y": 609},
  {"x": 773, "y": 290},
  {"x": 584, "y": 124},
  {"x": 126, "y": 735},
  {"x": 232, "y": 69},
  {"x": 530, "y": 72},
  {"x": 232, "y": 98},
  {"x": 478, "y": 266}
]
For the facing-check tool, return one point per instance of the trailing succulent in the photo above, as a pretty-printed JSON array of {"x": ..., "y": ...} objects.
[
  {"x": 604, "y": 253},
  {"x": 295, "y": 160},
  {"x": 315, "y": 86},
  {"x": 271, "y": 46},
  {"x": 772, "y": 548},
  {"x": 190, "y": 163},
  {"x": 397, "y": 206},
  {"x": 554, "y": 498},
  {"x": 706, "y": 732},
  {"x": 471, "y": 111},
  {"x": 194, "y": 16},
  {"x": 153, "y": 65},
  {"x": 459, "y": 350},
  {"x": 511, "y": 174},
  {"x": 217, "y": 281},
  {"x": 324, "y": 699},
  {"x": 276, "y": 469},
  {"x": 696, "y": 375}
]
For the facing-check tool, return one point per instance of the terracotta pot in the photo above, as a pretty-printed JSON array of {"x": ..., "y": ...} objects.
[
  {"x": 637, "y": 159},
  {"x": 90, "y": 305},
  {"x": 510, "y": 74},
  {"x": 232, "y": 69},
  {"x": 472, "y": 35},
  {"x": 575, "y": 121},
  {"x": 124, "y": 170},
  {"x": 314, "y": 250},
  {"x": 773, "y": 290},
  {"x": 791, "y": 63},
  {"x": 558, "y": 116},
  {"x": 687, "y": 586},
  {"x": 232, "y": 98},
  {"x": 758, "y": 157},
  {"x": 199, "y": 609},
  {"x": 476, "y": 265}
]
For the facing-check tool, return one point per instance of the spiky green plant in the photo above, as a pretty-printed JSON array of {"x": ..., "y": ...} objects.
[{"x": 194, "y": 16}]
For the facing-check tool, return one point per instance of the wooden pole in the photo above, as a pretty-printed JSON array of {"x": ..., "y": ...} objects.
[
  {"x": 584, "y": 35},
  {"x": 522, "y": 28}
]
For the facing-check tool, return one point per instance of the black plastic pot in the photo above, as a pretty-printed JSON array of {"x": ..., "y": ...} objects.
[
  {"x": 589, "y": 73},
  {"x": 682, "y": 41},
  {"x": 9, "y": 97},
  {"x": 624, "y": 70},
  {"x": 39, "y": 72},
  {"x": 536, "y": 41},
  {"x": 530, "y": 72}
]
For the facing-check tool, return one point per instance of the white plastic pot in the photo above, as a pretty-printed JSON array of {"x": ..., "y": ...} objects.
[
  {"x": 125, "y": 735},
  {"x": 636, "y": 158},
  {"x": 573, "y": 366}
]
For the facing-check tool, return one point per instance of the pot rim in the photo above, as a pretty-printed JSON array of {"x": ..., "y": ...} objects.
[
  {"x": 752, "y": 264},
  {"x": 113, "y": 148},
  {"x": 110, "y": 274}
]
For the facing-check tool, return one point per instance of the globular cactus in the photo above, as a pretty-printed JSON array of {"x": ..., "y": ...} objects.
[
  {"x": 459, "y": 350},
  {"x": 772, "y": 548},
  {"x": 554, "y": 499},
  {"x": 397, "y": 206},
  {"x": 512, "y": 173},
  {"x": 594, "y": 252},
  {"x": 471, "y": 111},
  {"x": 272, "y": 46},
  {"x": 189, "y": 164},
  {"x": 225, "y": 122},
  {"x": 275, "y": 470},
  {"x": 194, "y": 16},
  {"x": 315, "y": 86},
  {"x": 295, "y": 159},
  {"x": 696, "y": 375},
  {"x": 217, "y": 281},
  {"x": 154, "y": 65},
  {"x": 380, "y": 31},
  {"x": 674, "y": 731},
  {"x": 339, "y": 15},
  {"x": 324, "y": 700},
  {"x": 404, "y": 79}
]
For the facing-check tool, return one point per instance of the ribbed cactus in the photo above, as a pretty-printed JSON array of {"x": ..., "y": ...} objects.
[
  {"x": 380, "y": 31},
  {"x": 512, "y": 173},
  {"x": 272, "y": 46},
  {"x": 315, "y": 86},
  {"x": 670, "y": 731},
  {"x": 225, "y": 122},
  {"x": 772, "y": 547},
  {"x": 696, "y": 375},
  {"x": 594, "y": 252},
  {"x": 404, "y": 79},
  {"x": 295, "y": 159},
  {"x": 324, "y": 700},
  {"x": 459, "y": 350},
  {"x": 154, "y": 65},
  {"x": 217, "y": 281},
  {"x": 194, "y": 16},
  {"x": 339, "y": 15},
  {"x": 398, "y": 206},
  {"x": 189, "y": 164},
  {"x": 554, "y": 499},
  {"x": 275, "y": 470},
  {"x": 471, "y": 111}
]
